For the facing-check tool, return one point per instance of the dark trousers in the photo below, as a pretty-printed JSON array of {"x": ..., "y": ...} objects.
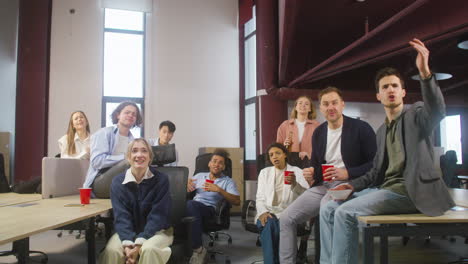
[{"x": 201, "y": 213}]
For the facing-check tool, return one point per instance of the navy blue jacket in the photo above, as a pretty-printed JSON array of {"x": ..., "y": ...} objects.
[
  {"x": 358, "y": 148},
  {"x": 140, "y": 210}
]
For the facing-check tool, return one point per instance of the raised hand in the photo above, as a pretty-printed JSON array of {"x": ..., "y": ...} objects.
[{"x": 422, "y": 60}]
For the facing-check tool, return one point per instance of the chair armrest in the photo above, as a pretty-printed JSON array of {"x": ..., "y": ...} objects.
[{"x": 248, "y": 208}]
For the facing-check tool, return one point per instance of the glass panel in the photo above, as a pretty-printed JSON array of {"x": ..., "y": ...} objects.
[
  {"x": 123, "y": 65},
  {"x": 249, "y": 27},
  {"x": 450, "y": 135},
  {"x": 110, "y": 107},
  {"x": 123, "y": 19},
  {"x": 250, "y": 67},
  {"x": 250, "y": 133}
]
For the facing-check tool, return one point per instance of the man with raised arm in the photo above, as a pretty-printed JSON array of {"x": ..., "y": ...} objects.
[{"x": 403, "y": 178}]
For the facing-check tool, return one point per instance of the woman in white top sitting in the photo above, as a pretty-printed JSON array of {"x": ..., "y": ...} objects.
[
  {"x": 75, "y": 144},
  {"x": 274, "y": 193}
]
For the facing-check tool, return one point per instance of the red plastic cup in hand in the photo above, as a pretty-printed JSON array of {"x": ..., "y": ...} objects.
[
  {"x": 325, "y": 167},
  {"x": 286, "y": 173},
  {"x": 85, "y": 195}
]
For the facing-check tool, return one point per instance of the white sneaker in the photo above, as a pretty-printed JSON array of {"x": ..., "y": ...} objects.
[{"x": 198, "y": 257}]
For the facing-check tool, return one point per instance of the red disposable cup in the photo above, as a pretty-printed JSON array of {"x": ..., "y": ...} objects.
[
  {"x": 286, "y": 173},
  {"x": 325, "y": 167},
  {"x": 85, "y": 195},
  {"x": 210, "y": 181}
]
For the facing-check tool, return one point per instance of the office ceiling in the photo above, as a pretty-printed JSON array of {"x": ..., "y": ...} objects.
[{"x": 344, "y": 42}]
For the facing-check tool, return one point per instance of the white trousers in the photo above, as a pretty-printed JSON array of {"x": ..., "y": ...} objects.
[{"x": 154, "y": 251}]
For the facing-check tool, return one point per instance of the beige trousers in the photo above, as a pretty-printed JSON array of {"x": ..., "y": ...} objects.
[{"x": 154, "y": 251}]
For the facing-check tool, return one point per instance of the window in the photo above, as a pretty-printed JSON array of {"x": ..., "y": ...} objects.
[
  {"x": 124, "y": 62},
  {"x": 450, "y": 135},
  {"x": 250, "y": 57}
]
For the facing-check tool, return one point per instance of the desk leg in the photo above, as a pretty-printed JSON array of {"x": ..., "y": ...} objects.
[
  {"x": 91, "y": 238},
  {"x": 368, "y": 246},
  {"x": 22, "y": 248},
  {"x": 383, "y": 249}
]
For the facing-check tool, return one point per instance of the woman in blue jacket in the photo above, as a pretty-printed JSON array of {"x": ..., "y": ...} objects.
[{"x": 141, "y": 203}]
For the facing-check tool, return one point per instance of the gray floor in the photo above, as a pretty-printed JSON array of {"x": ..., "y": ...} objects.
[{"x": 70, "y": 250}]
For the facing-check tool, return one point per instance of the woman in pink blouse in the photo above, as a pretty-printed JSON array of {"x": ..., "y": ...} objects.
[{"x": 296, "y": 133}]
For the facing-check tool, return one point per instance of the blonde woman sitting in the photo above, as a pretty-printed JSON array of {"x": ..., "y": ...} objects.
[
  {"x": 141, "y": 202},
  {"x": 278, "y": 186}
]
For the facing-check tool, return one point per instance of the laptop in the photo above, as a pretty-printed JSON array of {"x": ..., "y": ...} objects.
[
  {"x": 62, "y": 177},
  {"x": 163, "y": 154}
]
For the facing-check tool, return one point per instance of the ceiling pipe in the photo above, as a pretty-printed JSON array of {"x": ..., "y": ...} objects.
[{"x": 402, "y": 14}]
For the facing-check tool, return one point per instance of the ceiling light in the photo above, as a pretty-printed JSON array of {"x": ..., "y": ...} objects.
[
  {"x": 440, "y": 76},
  {"x": 463, "y": 42}
]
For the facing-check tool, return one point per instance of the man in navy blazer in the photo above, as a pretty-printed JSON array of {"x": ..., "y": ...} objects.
[
  {"x": 403, "y": 178},
  {"x": 346, "y": 143}
]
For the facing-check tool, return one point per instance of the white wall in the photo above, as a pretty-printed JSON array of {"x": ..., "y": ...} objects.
[
  {"x": 192, "y": 74},
  {"x": 8, "y": 65}
]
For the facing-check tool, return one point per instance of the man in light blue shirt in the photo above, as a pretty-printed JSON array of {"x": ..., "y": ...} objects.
[
  {"x": 108, "y": 148},
  {"x": 210, "y": 188}
]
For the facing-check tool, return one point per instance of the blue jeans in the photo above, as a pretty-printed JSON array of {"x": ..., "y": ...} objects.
[
  {"x": 269, "y": 236},
  {"x": 200, "y": 212},
  {"x": 339, "y": 225}
]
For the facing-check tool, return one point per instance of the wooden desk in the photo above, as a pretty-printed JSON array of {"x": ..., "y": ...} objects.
[
  {"x": 19, "y": 222},
  {"x": 451, "y": 223},
  {"x": 12, "y": 198}
]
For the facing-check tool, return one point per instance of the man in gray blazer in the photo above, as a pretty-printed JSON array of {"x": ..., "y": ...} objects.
[{"x": 403, "y": 178}]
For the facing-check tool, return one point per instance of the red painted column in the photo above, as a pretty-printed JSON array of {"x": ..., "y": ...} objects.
[
  {"x": 270, "y": 110},
  {"x": 32, "y": 87}
]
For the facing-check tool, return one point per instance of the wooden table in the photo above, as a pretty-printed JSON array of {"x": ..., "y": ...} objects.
[
  {"x": 20, "y": 221},
  {"x": 451, "y": 223},
  {"x": 12, "y": 198}
]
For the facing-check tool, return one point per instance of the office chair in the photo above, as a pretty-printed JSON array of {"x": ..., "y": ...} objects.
[
  {"x": 448, "y": 165},
  {"x": 221, "y": 221},
  {"x": 181, "y": 247},
  {"x": 4, "y": 187}
]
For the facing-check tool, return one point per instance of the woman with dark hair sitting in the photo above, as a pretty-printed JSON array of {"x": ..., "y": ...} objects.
[
  {"x": 278, "y": 186},
  {"x": 141, "y": 203}
]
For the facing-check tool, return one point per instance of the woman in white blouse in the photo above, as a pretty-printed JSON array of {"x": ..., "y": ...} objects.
[
  {"x": 275, "y": 192},
  {"x": 75, "y": 144}
]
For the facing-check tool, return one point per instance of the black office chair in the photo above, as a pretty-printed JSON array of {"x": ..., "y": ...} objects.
[
  {"x": 4, "y": 186},
  {"x": 222, "y": 219},
  {"x": 181, "y": 247},
  {"x": 448, "y": 165}
]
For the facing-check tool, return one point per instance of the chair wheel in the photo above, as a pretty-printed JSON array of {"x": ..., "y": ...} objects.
[
  {"x": 210, "y": 244},
  {"x": 452, "y": 239},
  {"x": 59, "y": 234},
  {"x": 212, "y": 257},
  {"x": 230, "y": 241},
  {"x": 258, "y": 243},
  {"x": 227, "y": 260},
  {"x": 216, "y": 236}
]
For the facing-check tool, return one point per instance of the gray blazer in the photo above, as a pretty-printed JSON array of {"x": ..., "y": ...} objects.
[{"x": 422, "y": 180}]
